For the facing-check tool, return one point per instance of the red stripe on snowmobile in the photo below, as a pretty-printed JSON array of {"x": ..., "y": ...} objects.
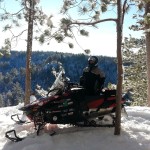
[
  {"x": 111, "y": 98},
  {"x": 114, "y": 105},
  {"x": 96, "y": 103}
]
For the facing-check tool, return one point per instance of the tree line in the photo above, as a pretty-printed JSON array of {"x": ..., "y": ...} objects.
[{"x": 12, "y": 72}]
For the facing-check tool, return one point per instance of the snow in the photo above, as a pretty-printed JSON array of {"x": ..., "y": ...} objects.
[{"x": 135, "y": 134}]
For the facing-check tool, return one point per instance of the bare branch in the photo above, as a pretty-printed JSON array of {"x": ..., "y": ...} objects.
[
  {"x": 76, "y": 40},
  {"x": 92, "y": 23},
  {"x": 17, "y": 12},
  {"x": 15, "y": 37},
  {"x": 13, "y": 14}
]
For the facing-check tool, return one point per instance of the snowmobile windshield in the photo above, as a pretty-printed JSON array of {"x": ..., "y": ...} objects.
[{"x": 58, "y": 84}]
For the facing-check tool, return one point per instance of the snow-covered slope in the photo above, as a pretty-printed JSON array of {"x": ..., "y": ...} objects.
[{"x": 135, "y": 134}]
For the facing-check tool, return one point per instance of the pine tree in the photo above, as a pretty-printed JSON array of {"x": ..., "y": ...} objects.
[
  {"x": 135, "y": 71},
  {"x": 28, "y": 13},
  {"x": 31, "y": 13},
  {"x": 147, "y": 29},
  {"x": 93, "y": 9},
  {"x": 143, "y": 23}
]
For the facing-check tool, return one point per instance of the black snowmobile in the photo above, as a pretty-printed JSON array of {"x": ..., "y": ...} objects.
[{"x": 67, "y": 103}]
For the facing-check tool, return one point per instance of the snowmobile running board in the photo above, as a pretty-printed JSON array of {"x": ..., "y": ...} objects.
[{"x": 15, "y": 138}]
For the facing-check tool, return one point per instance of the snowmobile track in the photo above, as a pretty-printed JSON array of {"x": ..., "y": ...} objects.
[{"x": 77, "y": 129}]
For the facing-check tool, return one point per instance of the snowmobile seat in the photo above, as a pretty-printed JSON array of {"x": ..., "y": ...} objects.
[
  {"x": 78, "y": 94},
  {"x": 109, "y": 93}
]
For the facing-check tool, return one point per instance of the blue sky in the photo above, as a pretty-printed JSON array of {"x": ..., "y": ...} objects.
[{"x": 101, "y": 41}]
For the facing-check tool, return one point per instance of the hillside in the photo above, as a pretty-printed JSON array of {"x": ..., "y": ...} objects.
[{"x": 12, "y": 72}]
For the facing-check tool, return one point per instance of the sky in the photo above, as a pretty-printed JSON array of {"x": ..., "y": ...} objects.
[
  {"x": 135, "y": 134},
  {"x": 101, "y": 41}
]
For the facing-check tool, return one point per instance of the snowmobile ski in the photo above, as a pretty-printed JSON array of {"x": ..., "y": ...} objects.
[
  {"x": 17, "y": 120},
  {"x": 13, "y": 138}
]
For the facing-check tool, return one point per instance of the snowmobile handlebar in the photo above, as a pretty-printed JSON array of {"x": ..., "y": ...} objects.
[
  {"x": 68, "y": 86},
  {"x": 52, "y": 90},
  {"x": 61, "y": 84},
  {"x": 72, "y": 84}
]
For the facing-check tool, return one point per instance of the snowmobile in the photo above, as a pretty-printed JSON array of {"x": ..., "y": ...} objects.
[{"x": 67, "y": 103}]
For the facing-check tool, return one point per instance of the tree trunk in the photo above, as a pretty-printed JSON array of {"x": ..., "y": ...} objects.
[
  {"x": 28, "y": 53},
  {"x": 147, "y": 26},
  {"x": 120, "y": 70}
]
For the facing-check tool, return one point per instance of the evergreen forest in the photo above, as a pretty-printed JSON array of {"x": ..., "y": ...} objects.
[{"x": 12, "y": 72}]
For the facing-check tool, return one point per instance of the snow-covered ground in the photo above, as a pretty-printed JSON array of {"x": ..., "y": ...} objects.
[{"x": 135, "y": 134}]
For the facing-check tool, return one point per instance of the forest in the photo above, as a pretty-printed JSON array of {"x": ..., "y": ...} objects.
[{"x": 12, "y": 72}]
